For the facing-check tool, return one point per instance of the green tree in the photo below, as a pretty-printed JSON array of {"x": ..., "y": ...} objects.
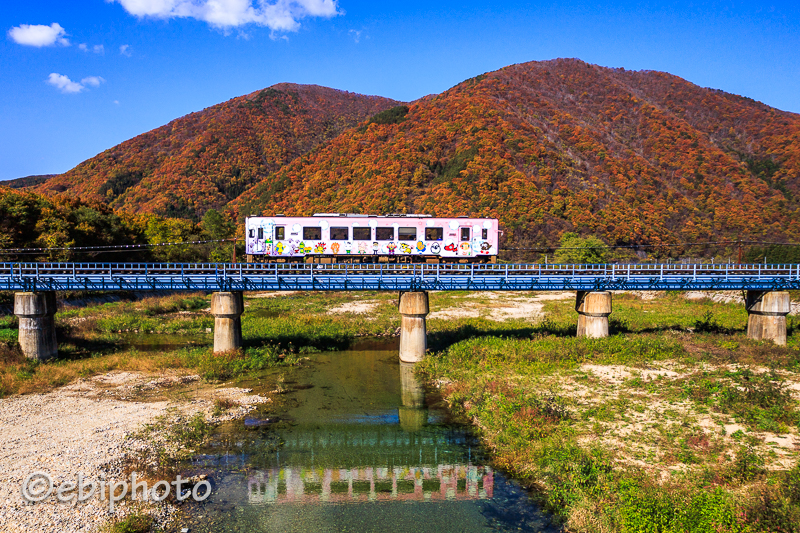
[
  {"x": 216, "y": 227},
  {"x": 171, "y": 230},
  {"x": 576, "y": 249}
]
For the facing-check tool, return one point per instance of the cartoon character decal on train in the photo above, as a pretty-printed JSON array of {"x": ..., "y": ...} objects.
[{"x": 368, "y": 238}]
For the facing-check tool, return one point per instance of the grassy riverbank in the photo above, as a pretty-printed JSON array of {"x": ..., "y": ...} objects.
[
  {"x": 676, "y": 422},
  {"x": 176, "y": 332}
]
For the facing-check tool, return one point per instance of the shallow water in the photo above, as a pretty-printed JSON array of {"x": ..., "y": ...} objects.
[{"x": 355, "y": 444}]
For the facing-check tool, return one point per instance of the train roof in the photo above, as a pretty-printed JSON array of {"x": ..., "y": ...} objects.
[{"x": 354, "y": 215}]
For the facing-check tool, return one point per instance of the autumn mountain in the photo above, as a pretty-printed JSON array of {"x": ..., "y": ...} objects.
[
  {"x": 206, "y": 159},
  {"x": 633, "y": 157}
]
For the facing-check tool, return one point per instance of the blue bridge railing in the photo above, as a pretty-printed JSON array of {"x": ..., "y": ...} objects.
[{"x": 393, "y": 277}]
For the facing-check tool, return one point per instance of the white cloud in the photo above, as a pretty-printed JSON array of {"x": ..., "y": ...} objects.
[
  {"x": 97, "y": 49},
  {"x": 38, "y": 35},
  {"x": 94, "y": 81},
  {"x": 282, "y": 15},
  {"x": 356, "y": 35},
  {"x": 67, "y": 86},
  {"x": 125, "y": 50},
  {"x": 64, "y": 84}
]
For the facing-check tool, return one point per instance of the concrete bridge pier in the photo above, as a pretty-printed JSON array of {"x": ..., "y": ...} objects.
[
  {"x": 593, "y": 309},
  {"x": 413, "y": 412},
  {"x": 413, "y": 336},
  {"x": 227, "y": 308},
  {"x": 37, "y": 328},
  {"x": 767, "y": 312}
]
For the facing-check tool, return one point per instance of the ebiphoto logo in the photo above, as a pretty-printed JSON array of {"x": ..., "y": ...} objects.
[{"x": 38, "y": 486}]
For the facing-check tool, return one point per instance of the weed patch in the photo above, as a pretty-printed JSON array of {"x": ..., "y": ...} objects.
[{"x": 138, "y": 522}]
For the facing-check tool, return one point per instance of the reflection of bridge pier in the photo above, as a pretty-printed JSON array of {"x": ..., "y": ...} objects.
[
  {"x": 413, "y": 412},
  {"x": 368, "y": 484}
]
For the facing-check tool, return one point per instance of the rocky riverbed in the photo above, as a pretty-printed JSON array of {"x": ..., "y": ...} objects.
[{"x": 87, "y": 427}]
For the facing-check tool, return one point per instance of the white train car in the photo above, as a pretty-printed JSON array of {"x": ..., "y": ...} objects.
[{"x": 333, "y": 237}]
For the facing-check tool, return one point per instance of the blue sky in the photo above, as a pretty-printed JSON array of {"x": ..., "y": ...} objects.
[{"x": 79, "y": 77}]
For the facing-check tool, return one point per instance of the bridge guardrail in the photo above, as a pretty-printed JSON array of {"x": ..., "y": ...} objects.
[{"x": 388, "y": 276}]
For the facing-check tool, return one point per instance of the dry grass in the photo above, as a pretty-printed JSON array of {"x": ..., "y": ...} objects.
[{"x": 19, "y": 375}]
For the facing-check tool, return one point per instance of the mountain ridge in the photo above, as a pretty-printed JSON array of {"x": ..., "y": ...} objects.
[
  {"x": 635, "y": 157},
  {"x": 208, "y": 157}
]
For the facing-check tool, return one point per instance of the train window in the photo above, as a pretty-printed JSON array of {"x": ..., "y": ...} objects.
[
  {"x": 312, "y": 234},
  {"x": 252, "y": 233},
  {"x": 434, "y": 234},
  {"x": 384, "y": 234},
  {"x": 464, "y": 234},
  {"x": 339, "y": 234},
  {"x": 280, "y": 233},
  {"x": 362, "y": 234},
  {"x": 485, "y": 234},
  {"x": 260, "y": 233},
  {"x": 407, "y": 234}
]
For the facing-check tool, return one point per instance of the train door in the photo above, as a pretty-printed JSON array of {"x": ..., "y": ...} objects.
[
  {"x": 279, "y": 245},
  {"x": 464, "y": 240}
]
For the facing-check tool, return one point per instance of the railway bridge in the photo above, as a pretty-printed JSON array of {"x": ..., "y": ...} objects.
[{"x": 767, "y": 298}]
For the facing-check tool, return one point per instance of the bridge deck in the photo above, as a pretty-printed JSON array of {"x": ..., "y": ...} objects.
[{"x": 393, "y": 277}]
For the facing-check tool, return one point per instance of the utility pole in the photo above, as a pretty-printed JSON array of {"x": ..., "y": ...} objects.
[{"x": 739, "y": 242}]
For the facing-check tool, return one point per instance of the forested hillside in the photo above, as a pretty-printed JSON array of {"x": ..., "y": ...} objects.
[
  {"x": 205, "y": 159},
  {"x": 633, "y": 157},
  {"x": 34, "y": 227},
  {"x": 548, "y": 147}
]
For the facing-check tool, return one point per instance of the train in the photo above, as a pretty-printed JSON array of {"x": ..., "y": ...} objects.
[{"x": 352, "y": 238}]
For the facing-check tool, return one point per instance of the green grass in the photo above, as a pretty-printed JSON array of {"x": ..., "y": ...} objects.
[
  {"x": 133, "y": 523},
  {"x": 569, "y": 434},
  {"x": 621, "y": 456}
]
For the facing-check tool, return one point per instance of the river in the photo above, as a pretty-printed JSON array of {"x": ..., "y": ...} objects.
[{"x": 355, "y": 443}]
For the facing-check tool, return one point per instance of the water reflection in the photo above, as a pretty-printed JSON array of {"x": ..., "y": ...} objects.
[
  {"x": 413, "y": 413},
  {"x": 443, "y": 482},
  {"x": 363, "y": 449}
]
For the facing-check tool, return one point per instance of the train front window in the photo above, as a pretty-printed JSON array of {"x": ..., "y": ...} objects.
[
  {"x": 312, "y": 234},
  {"x": 251, "y": 233},
  {"x": 464, "y": 234},
  {"x": 407, "y": 234},
  {"x": 434, "y": 234},
  {"x": 485, "y": 234},
  {"x": 384, "y": 234},
  {"x": 260, "y": 233},
  {"x": 280, "y": 233},
  {"x": 339, "y": 234},
  {"x": 362, "y": 234}
]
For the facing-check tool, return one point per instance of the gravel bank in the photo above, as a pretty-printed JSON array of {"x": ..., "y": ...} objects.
[{"x": 82, "y": 428}]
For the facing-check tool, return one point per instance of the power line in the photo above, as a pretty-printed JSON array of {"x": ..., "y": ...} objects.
[
  {"x": 117, "y": 247},
  {"x": 673, "y": 245},
  {"x": 123, "y": 248}
]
